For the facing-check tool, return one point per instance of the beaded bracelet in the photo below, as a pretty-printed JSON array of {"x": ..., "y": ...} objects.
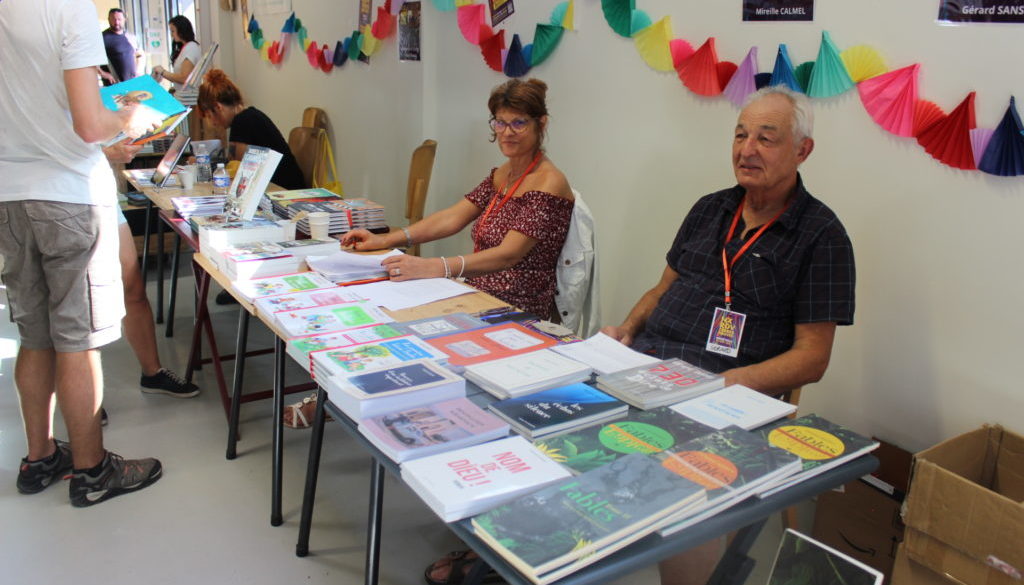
[
  {"x": 447, "y": 271},
  {"x": 408, "y": 238},
  {"x": 463, "y": 267}
]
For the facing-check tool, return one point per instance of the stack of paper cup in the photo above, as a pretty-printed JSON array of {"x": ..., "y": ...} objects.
[
  {"x": 187, "y": 177},
  {"x": 289, "y": 229},
  {"x": 319, "y": 221}
]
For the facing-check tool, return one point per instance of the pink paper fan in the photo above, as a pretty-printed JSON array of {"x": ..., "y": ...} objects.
[
  {"x": 681, "y": 51},
  {"x": 700, "y": 71},
  {"x": 979, "y": 142},
  {"x": 948, "y": 139},
  {"x": 471, "y": 20},
  {"x": 891, "y": 99}
]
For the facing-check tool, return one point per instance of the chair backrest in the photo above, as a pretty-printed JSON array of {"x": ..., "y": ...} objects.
[
  {"x": 305, "y": 146},
  {"x": 576, "y": 279},
  {"x": 314, "y": 118},
  {"x": 420, "y": 168}
]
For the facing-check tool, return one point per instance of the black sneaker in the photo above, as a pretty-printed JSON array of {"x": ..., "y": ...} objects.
[
  {"x": 35, "y": 476},
  {"x": 118, "y": 476},
  {"x": 167, "y": 382}
]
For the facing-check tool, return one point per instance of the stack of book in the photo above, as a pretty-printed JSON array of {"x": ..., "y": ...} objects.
[
  {"x": 732, "y": 464},
  {"x": 490, "y": 343},
  {"x": 431, "y": 327},
  {"x": 341, "y": 266},
  {"x": 665, "y": 382},
  {"x": 217, "y": 233},
  {"x": 463, "y": 482},
  {"x": 278, "y": 202},
  {"x": 330, "y": 367},
  {"x": 575, "y": 522},
  {"x": 639, "y": 431},
  {"x": 386, "y": 389},
  {"x": 257, "y": 260},
  {"x": 294, "y": 301},
  {"x": 187, "y": 207},
  {"x": 819, "y": 444},
  {"x": 524, "y": 374},
  {"x": 278, "y": 285},
  {"x": 327, "y": 318},
  {"x": 414, "y": 432},
  {"x": 302, "y": 349},
  {"x": 345, "y": 214},
  {"x": 558, "y": 410}
]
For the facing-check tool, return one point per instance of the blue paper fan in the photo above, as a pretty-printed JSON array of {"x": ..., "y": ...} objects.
[{"x": 1005, "y": 153}]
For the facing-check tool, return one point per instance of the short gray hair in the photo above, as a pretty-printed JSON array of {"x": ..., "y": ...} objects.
[{"x": 803, "y": 116}]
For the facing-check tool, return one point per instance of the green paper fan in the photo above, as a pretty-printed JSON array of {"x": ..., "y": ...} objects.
[
  {"x": 829, "y": 76},
  {"x": 619, "y": 15},
  {"x": 545, "y": 39}
]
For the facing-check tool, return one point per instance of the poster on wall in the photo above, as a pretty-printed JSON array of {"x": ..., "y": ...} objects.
[
  {"x": 365, "y": 10},
  {"x": 409, "y": 32},
  {"x": 956, "y": 11},
  {"x": 760, "y": 10},
  {"x": 500, "y": 10}
]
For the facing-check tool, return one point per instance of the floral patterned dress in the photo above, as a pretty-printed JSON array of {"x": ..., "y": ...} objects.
[{"x": 530, "y": 284}]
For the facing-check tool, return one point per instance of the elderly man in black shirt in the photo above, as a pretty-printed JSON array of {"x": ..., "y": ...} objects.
[{"x": 758, "y": 277}]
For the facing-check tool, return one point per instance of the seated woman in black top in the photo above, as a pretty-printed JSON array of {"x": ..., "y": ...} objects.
[{"x": 221, "y": 102}]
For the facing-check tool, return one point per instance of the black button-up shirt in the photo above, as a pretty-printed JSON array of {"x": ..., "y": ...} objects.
[{"x": 800, "y": 270}]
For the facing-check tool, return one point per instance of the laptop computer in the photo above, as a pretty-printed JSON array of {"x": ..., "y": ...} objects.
[
  {"x": 801, "y": 559},
  {"x": 170, "y": 160}
]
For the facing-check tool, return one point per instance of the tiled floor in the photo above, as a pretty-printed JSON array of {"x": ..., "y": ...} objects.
[{"x": 208, "y": 519}]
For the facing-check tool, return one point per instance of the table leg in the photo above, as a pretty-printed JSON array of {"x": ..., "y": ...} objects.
[
  {"x": 735, "y": 565},
  {"x": 202, "y": 315},
  {"x": 175, "y": 259},
  {"x": 312, "y": 473},
  {"x": 236, "y": 385},
  {"x": 146, "y": 232},
  {"x": 373, "y": 532},
  {"x": 278, "y": 447},
  {"x": 160, "y": 271}
]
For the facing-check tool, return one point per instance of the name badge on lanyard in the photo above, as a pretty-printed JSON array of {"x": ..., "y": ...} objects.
[{"x": 726, "y": 324}]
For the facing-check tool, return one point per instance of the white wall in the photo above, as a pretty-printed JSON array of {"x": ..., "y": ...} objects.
[{"x": 933, "y": 349}]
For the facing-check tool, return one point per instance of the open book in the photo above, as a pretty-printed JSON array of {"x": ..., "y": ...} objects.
[{"x": 146, "y": 93}]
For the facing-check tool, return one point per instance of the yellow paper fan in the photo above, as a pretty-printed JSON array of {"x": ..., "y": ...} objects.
[
  {"x": 370, "y": 42},
  {"x": 265, "y": 52},
  {"x": 306, "y": 44},
  {"x": 464, "y": 2},
  {"x": 568, "y": 21},
  {"x": 652, "y": 44},
  {"x": 863, "y": 62}
]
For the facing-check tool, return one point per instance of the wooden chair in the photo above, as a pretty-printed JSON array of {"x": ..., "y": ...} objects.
[
  {"x": 314, "y": 118},
  {"x": 304, "y": 143},
  {"x": 789, "y": 515},
  {"x": 420, "y": 169}
]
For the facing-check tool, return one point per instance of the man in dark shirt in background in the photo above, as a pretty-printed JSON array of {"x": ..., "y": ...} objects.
[{"x": 122, "y": 47}]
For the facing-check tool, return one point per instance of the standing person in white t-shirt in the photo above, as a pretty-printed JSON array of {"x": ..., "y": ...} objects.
[
  {"x": 185, "y": 52},
  {"x": 58, "y": 236}
]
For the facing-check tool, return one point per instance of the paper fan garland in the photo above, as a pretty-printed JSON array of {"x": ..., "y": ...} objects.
[
  {"x": 1004, "y": 155},
  {"x": 516, "y": 64},
  {"x": 700, "y": 71},
  {"x": 891, "y": 100},
  {"x": 948, "y": 139},
  {"x": 802, "y": 73},
  {"x": 545, "y": 39},
  {"x": 762, "y": 80},
  {"x": 653, "y": 45},
  {"x": 829, "y": 77},
  {"x": 742, "y": 83},
  {"x": 725, "y": 71},
  {"x": 980, "y": 138},
  {"x": 566, "y": 15},
  {"x": 444, "y": 5},
  {"x": 681, "y": 51},
  {"x": 385, "y": 23},
  {"x": 863, "y": 62},
  {"x": 619, "y": 15},
  {"x": 341, "y": 52},
  {"x": 471, "y": 23},
  {"x": 783, "y": 72},
  {"x": 491, "y": 49},
  {"x": 638, "y": 21}
]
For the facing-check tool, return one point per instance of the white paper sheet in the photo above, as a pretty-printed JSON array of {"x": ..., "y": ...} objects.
[{"x": 410, "y": 293}]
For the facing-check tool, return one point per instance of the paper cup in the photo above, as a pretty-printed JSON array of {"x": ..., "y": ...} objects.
[
  {"x": 187, "y": 177},
  {"x": 289, "y": 229},
  {"x": 319, "y": 221}
]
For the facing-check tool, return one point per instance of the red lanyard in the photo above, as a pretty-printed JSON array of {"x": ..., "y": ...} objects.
[
  {"x": 508, "y": 194},
  {"x": 728, "y": 264}
]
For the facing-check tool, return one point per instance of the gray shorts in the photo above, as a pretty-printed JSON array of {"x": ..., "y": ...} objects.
[{"x": 63, "y": 273}]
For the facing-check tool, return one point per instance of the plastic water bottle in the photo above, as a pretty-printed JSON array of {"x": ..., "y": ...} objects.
[
  {"x": 221, "y": 180},
  {"x": 203, "y": 171}
]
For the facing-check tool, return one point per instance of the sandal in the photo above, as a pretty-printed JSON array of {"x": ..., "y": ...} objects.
[
  {"x": 302, "y": 413},
  {"x": 461, "y": 564}
]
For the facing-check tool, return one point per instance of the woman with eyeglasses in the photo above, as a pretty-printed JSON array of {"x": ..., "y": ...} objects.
[{"x": 520, "y": 213}]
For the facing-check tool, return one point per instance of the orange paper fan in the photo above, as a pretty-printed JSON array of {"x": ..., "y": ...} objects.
[
  {"x": 700, "y": 71},
  {"x": 948, "y": 139},
  {"x": 891, "y": 100}
]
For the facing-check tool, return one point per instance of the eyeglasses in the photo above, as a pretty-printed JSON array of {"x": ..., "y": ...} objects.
[{"x": 517, "y": 125}]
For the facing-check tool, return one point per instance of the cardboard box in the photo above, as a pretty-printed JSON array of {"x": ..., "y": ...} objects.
[
  {"x": 862, "y": 522},
  {"x": 964, "y": 513},
  {"x": 908, "y": 572}
]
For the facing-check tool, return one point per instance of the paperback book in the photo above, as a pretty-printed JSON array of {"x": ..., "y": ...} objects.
[
  {"x": 302, "y": 349},
  {"x": 605, "y": 355},
  {"x": 200, "y": 205},
  {"x": 559, "y": 333},
  {"x": 557, "y": 410},
  {"x": 345, "y": 214},
  {"x": 405, "y": 385},
  {"x": 294, "y": 301},
  {"x": 665, "y": 382},
  {"x": 735, "y": 405},
  {"x": 819, "y": 443},
  {"x": 327, "y": 318},
  {"x": 431, "y": 327},
  {"x": 257, "y": 260},
  {"x": 526, "y": 373},
  {"x": 639, "y": 431},
  {"x": 334, "y": 365},
  {"x": 217, "y": 233},
  {"x": 277, "y": 285},
  {"x": 490, "y": 343},
  {"x": 342, "y": 266},
  {"x": 144, "y": 92},
  {"x": 411, "y": 433},
  {"x": 463, "y": 482},
  {"x": 582, "y": 516},
  {"x": 731, "y": 464},
  {"x": 251, "y": 180}
]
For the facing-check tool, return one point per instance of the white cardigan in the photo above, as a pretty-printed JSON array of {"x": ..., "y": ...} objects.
[{"x": 576, "y": 274}]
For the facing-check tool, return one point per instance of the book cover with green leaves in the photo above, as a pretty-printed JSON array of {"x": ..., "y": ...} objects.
[
  {"x": 640, "y": 431},
  {"x": 576, "y": 517}
]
